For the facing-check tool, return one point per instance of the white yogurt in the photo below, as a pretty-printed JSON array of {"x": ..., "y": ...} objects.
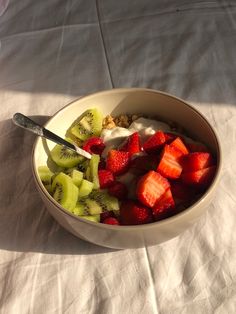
[{"x": 145, "y": 127}]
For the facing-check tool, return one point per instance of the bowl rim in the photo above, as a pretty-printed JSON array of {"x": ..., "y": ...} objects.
[{"x": 177, "y": 217}]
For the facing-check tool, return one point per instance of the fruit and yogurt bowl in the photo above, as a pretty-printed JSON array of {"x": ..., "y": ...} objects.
[{"x": 151, "y": 175}]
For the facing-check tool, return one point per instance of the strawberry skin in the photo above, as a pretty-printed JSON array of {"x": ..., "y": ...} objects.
[
  {"x": 111, "y": 221},
  {"x": 196, "y": 161},
  {"x": 154, "y": 143},
  {"x": 118, "y": 190},
  {"x": 117, "y": 161},
  {"x": 169, "y": 137},
  {"x": 132, "y": 144},
  {"x": 201, "y": 178},
  {"x": 94, "y": 145},
  {"x": 106, "y": 214},
  {"x": 179, "y": 144},
  {"x": 169, "y": 166},
  {"x": 106, "y": 178},
  {"x": 134, "y": 213},
  {"x": 151, "y": 187},
  {"x": 164, "y": 206}
]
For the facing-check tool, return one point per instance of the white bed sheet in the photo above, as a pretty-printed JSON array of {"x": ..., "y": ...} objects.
[{"x": 54, "y": 51}]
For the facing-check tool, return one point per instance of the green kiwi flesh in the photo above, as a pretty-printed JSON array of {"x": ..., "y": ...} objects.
[
  {"x": 77, "y": 177},
  {"x": 85, "y": 188},
  {"x": 106, "y": 201},
  {"x": 92, "y": 171},
  {"x": 88, "y": 124},
  {"x": 64, "y": 191},
  {"x": 45, "y": 174},
  {"x": 64, "y": 157}
]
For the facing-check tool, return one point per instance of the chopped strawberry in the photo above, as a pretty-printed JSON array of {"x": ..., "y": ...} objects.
[
  {"x": 111, "y": 221},
  {"x": 134, "y": 213},
  {"x": 142, "y": 164},
  {"x": 154, "y": 142},
  {"x": 200, "y": 178},
  {"x": 169, "y": 137},
  {"x": 132, "y": 144},
  {"x": 94, "y": 145},
  {"x": 196, "y": 161},
  {"x": 164, "y": 206},
  {"x": 179, "y": 144},
  {"x": 118, "y": 189},
  {"x": 169, "y": 166},
  {"x": 117, "y": 161},
  {"x": 151, "y": 187},
  {"x": 195, "y": 147},
  {"x": 106, "y": 178}
]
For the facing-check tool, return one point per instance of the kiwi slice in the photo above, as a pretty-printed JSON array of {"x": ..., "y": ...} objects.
[
  {"x": 91, "y": 173},
  {"x": 83, "y": 165},
  {"x": 53, "y": 166},
  {"x": 80, "y": 209},
  {"x": 88, "y": 124},
  {"x": 77, "y": 177},
  {"x": 45, "y": 174},
  {"x": 93, "y": 207},
  {"x": 85, "y": 188},
  {"x": 64, "y": 157},
  {"x": 106, "y": 201},
  {"x": 64, "y": 191}
]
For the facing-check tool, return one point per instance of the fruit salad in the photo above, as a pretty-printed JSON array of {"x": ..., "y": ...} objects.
[{"x": 142, "y": 170}]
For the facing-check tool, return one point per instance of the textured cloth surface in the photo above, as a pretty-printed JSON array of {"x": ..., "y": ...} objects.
[{"x": 52, "y": 52}]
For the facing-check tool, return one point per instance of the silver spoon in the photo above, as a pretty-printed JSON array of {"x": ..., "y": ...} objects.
[{"x": 26, "y": 123}]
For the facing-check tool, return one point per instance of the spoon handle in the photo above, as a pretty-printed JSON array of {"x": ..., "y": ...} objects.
[{"x": 26, "y": 123}]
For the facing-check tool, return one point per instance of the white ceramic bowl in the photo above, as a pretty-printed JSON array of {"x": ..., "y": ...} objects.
[{"x": 131, "y": 100}]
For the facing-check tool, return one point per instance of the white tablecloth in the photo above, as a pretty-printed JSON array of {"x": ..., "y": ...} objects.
[{"x": 51, "y": 53}]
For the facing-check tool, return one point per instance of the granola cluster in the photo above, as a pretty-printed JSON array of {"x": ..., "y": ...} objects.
[{"x": 123, "y": 120}]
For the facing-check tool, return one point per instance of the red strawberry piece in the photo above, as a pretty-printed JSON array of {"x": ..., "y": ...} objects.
[
  {"x": 195, "y": 147},
  {"x": 196, "y": 161},
  {"x": 179, "y": 144},
  {"x": 111, "y": 221},
  {"x": 169, "y": 137},
  {"x": 106, "y": 178},
  {"x": 118, "y": 190},
  {"x": 164, "y": 206},
  {"x": 150, "y": 188},
  {"x": 144, "y": 163},
  {"x": 169, "y": 166},
  {"x": 134, "y": 213},
  {"x": 117, "y": 161},
  {"x": 154, "y": 142},
  {"x": 201, "y": 178},
  {"x": 94, "y": 145},
  {"x": 106, "y": 214},
  {"x": 132, "y": 144}
]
